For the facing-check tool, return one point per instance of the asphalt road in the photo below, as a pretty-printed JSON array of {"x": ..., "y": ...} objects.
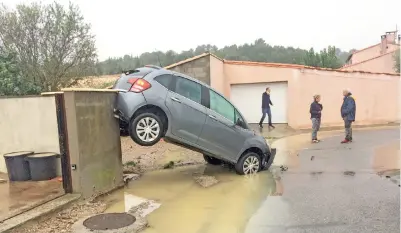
[{"x": 336, "y": 188}]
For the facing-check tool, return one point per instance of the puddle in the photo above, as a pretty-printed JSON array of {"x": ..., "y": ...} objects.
[
  {"x": 387, "y": 158},
  {"x": 188, "y": 207}
]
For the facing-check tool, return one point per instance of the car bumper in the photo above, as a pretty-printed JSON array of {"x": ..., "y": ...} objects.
[{"x": 269, "y": 157}]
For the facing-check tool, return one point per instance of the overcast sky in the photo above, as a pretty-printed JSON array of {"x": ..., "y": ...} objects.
[{"x": 136, "y": 26}]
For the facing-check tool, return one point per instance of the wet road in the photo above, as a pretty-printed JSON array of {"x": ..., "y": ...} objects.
[
  {"x": 335, "y": 188},
  {"x": 328, "y": 187}
]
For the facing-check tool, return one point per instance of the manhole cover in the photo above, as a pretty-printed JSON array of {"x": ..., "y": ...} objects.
[{"x": 109, "y": 221}]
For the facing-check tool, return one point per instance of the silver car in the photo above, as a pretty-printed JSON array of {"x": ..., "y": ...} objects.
[{"x": 155, "y": 103}]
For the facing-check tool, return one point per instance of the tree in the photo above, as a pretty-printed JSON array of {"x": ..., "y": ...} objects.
[
  {"x": 259, "y": 51},
  {"x": 397, "y": 61},
  {"x": 11, "y": 81},
  {"x": 53, "y": 46}
]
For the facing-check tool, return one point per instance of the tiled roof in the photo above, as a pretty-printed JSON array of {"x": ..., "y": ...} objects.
[
  {"x": 191, "y": 59},
  {"x": 295, "y": 66},
  {"x": 349, "y": 57},
  {"x": 384, "y": 54},
  {"x": 270, "y": 64}
]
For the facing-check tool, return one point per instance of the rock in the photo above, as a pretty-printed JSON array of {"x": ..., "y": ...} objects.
[{"x": 206, "y": 181}]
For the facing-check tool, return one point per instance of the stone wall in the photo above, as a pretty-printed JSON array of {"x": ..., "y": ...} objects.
[{"x": 198, "y": 69}]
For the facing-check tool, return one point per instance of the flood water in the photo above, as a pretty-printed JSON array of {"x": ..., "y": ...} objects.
[
  {"x": 182, "y": 205},
  {"x": 188, "y": 207}
]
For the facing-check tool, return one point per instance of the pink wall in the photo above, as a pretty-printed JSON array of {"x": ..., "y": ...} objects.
[
  {"x": 383, "y": 64},
  {"x": 217, "y": 80},
  {"x": 366, "y": 54},
  {"x": 373, "y": 106}
]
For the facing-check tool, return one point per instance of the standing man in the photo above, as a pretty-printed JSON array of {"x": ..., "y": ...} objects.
[
  {"x": 315, "y": 114},
  {"x": 266, "y": 102},
  {"x": 348, "y": 110}
]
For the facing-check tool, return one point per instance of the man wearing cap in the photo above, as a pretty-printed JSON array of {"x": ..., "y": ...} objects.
[{"x": 348, "y": 110}]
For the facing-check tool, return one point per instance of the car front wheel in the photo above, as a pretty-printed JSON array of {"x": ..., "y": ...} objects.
[
  {"x": 146, "y": 129},
  {"x": 249, "y": 163},
  {"x": 212, "y": 160}
]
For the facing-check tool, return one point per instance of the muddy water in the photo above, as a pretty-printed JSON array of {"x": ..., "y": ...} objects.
[
  {"x": 225, "y": 207},
  {"x": 188, "y": 207}
]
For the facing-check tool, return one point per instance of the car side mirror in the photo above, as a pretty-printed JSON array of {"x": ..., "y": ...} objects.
[{"x": 240, "y": 123}]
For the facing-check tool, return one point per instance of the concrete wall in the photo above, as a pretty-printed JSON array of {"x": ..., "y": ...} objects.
[
  {"x": 199, "y": 69},
  {"x": 94, "y": 141},
  {"x": 383, "y": 64},
  {"x": 373, "y": 106},
  {"x": 28, "y": 123}
]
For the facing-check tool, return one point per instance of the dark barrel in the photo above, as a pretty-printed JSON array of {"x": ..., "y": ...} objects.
[
  {"x": 17, "y": 166},
  {"x": 43, "y": 166}
]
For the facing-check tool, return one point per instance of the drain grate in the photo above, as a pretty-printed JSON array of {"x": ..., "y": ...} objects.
[{"x": 109, "y": 221}]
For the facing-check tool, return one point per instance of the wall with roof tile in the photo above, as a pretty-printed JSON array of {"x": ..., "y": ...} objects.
[
  {"x": 199, "y": 69},
  {"x": 373, "y": 106},
  {"x": 383, "y": 64}
]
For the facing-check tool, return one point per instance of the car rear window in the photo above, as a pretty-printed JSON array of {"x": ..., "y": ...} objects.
[{"x": 122, "y": 82}]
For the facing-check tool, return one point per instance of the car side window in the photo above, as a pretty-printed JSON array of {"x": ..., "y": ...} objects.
[
  {"x": 221, "y": 106},
  {"x": 165, "y": 80},
  {"x": 189, "y": 89}
]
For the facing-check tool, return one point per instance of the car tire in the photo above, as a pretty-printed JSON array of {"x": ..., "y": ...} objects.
[
  {"x": 211, "y": 160},
  {"x": 146, "y": 129},
  {"x": 249, "y": 159}
]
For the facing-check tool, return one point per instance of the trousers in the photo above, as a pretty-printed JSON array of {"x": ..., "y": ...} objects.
[
  {"x": 269, "y": 114},
  {"x": 348, "y": 129},
  {"x": 315, "y": 127}
]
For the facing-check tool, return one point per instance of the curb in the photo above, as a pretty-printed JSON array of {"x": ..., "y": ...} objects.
[{"x": 36, "y": 213}]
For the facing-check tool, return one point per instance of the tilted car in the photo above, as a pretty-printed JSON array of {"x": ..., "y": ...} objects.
[{"x": 155, "y": 103}]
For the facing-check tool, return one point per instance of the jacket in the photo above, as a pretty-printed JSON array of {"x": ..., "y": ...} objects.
[
  {"x": 266, "y": 102},
  {"x": 315, "y": 110},
  {"x": 348, "y": 108}
]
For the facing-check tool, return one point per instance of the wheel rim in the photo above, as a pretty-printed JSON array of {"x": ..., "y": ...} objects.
[
  {"x": 148, "y": 129},
  {"x": 251, "y": 165}
]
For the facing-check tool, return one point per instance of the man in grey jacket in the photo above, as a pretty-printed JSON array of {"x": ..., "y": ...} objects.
[{"x": 348, "y": 111}]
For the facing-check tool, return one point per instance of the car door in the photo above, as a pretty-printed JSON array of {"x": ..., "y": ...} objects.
[
  {"x": 188, "y": 114},
  {"x": 220, "y": 135}
]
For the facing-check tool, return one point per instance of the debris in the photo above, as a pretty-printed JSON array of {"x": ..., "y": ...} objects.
[
  {"x": 206, "y": 181},
  {"x": 168, "y": 165},
  {"x": 129, "y": 177},
  {"x": 312, "y": 158},
  {"x": 349, "y": 173},
  {"x": 283, "y": 168}
]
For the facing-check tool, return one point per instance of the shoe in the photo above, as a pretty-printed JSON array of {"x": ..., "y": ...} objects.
[
  {"x": 272, "y": 126},
  {"x": 260, "y": 125},
  {"x": 315, "y": 141},
  {"x": 345, "y": 141}
]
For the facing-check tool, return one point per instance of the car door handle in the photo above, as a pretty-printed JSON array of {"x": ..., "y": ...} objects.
[
  {"x": 176, "y": 99},
  {"x": 213, "y": 117}
]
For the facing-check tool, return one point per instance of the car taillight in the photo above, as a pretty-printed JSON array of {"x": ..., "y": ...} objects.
[{"x": 138, "y": 85}]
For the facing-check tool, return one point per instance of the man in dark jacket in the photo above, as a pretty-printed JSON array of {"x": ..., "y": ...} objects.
[
  {"x": 348, "y": 110},
  {"x": 266, "y": 102},
  {"x": 315, "y": 115}
]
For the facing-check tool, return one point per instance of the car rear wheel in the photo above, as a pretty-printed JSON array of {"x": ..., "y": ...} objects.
[
  {"x": 249, "y": 163},
  {"x": 146, "y": 129},
  {"x": 212, "y": 160}
]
